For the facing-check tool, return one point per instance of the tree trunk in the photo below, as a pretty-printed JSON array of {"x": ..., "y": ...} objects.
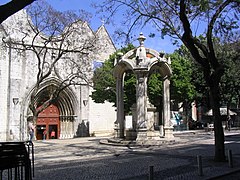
[{"x": 218, "y": 129}]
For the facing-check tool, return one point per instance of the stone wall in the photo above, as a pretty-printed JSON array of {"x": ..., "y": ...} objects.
[{"x": 18, "y": 71}]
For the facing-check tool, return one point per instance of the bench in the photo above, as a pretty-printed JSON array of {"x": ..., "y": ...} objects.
[{"x": 15, "y": 161}]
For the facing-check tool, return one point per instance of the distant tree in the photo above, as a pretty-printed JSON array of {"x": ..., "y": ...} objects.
[
  {"x": 230, "y": 83},
  {"x": 12, "y": 7},
  {"x": 51, "y": 36},
  {"x": 104, "y": 83},
  {"x": 201, "y": 91},
  {"x": 129, "y": 91},
  {"x": 155, "y": 88},
  {"x": 180, "y": 19},
  {"x": 182, "y": 88},
  {"x": 228, "y": 55}
]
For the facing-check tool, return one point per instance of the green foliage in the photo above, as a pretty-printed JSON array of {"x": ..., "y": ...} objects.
[
  {"x": 104, "y": 83},
  {"x": 182, "y": 88},
  {"x": 229, "y": 86},
  {"x": 155, "y": 88},
  {"x": 202, "y": 90},
  {"x": 201, "y": 94},
  {"x": 129, "y": 91},
  {"x": 230, "y": 82},
  {"x": 187, "y": 82}
]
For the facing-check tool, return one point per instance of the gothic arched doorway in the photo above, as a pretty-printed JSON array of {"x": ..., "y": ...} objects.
[
  {"x": 60, "y": 115},
  {"x": 48, "y": 121}
]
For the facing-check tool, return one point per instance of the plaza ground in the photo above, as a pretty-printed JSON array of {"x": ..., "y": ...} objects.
[{"x": 86, "y": 158}]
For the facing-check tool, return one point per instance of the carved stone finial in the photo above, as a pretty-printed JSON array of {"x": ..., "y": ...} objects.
[
  {"x": 103, "y": 22},
  {"x": 118, "y": 57},
  {"x": 161, "y": 54},
  {"x": 141, "y": 39}
]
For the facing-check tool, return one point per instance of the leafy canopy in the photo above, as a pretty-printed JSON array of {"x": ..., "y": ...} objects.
[{"x": 181, "y": 83}]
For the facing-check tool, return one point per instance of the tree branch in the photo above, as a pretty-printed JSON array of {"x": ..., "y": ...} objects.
[
  {"x": 212, "y": 57},
  {"x": 189, "y": 40}
]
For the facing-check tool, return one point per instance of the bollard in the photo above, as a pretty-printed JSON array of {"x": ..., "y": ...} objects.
[
  {"x": 230, "y": 161},
  {"x": 200, "y": 169},
  {"x": 150, "y": 173}
]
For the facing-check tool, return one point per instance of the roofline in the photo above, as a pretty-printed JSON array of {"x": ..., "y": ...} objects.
[{"x": 102, "y": 26}]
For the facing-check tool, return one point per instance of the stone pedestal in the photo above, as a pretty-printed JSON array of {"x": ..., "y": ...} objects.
[
  {"x": 141, "y": 135},
  {"x": 169, "y": 133},
  {"x": 153, "y": 135},
  {"x": 131, "y": 135},
  {"x": 147, "y": 137}
]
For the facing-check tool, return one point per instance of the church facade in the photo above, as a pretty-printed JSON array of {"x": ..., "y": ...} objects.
[{"x": 74, "y": 114}]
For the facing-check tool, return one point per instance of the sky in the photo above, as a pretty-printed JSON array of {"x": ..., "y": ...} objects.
[{"x": 156, "y": 43}]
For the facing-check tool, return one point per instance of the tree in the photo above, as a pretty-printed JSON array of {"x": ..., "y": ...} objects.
[
  {"x": 178, "y": 20},
  {"x": 228, "y": 55},
  {"x": 182, "y": 88},
  {"x": 104, "y": 83},
  {"x": 12, "y": 7},
  {"x": 229, "y": 84},
  {"x": 61, "y": 49},
  {"x": 181, "y": 81},
  {"x": 155, "y": 88}
]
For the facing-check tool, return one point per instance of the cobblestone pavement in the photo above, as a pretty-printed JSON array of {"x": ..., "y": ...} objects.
[{"x": 85, "y": 158}]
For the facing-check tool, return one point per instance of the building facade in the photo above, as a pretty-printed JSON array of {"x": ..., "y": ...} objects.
[{"x": 74, "y": 114}]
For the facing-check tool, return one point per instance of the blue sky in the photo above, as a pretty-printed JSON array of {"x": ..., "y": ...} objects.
[{"x": 62, "y": 5}]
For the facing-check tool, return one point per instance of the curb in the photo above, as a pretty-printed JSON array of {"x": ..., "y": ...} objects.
[{"x": 223, "y": 175}]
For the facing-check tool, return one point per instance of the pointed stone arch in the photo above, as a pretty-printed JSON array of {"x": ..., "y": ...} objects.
[{"x": 67, "y": 105}]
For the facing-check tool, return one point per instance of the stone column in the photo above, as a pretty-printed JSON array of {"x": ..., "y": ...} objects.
[
  {"x": 168, "y": 129},
  {"x": 141, "y": 94},
  {"x": 120, "y": 105},
  {"x": 62, "y": 128},
  {"x": 141, "y": 111}
]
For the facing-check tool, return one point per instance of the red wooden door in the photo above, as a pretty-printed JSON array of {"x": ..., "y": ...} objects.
[{"x": 48, "y": 119}]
